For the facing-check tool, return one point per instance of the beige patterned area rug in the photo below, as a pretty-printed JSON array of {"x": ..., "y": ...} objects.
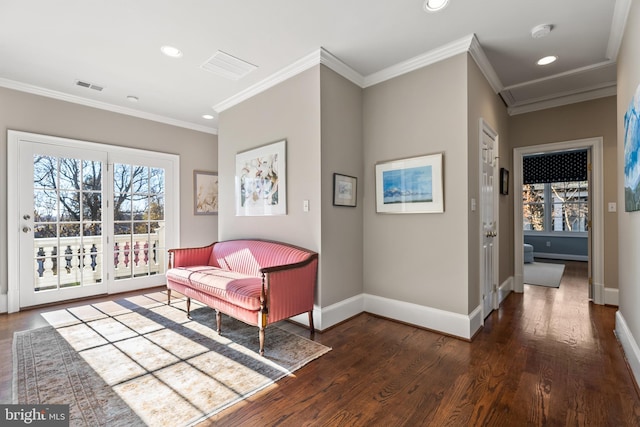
[{"x": 138, "y": 361}]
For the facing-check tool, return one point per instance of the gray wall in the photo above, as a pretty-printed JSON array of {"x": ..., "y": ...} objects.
[
  {"x": 319, "y": 113},
  {"x": 574, "y": 247},
  {"x": 578, "y": 121},
  {"x": 37, "y": 114},
  {"x": 629, "y": 222},
  {"x": 419, "y": 258},
  {"x": 484, "y": 103},
  {"x": 291, "y": 111},
  {"x": 342, "y": 230}
]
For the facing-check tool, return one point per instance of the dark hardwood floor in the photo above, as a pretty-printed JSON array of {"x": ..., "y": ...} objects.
[{"x": 547, "y": 357}]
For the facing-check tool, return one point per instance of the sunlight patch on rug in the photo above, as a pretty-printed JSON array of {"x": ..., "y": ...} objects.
[{"x": 138, "y": 361}]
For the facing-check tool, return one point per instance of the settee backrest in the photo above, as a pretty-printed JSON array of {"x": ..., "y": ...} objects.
[{"x": 249, "y": 256}]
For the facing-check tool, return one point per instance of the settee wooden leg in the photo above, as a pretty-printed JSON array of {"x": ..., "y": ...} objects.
[
  {"x": 168, "y": 296},
  {"x": 311, "y": 328},
  {"x": 218, "y": 321},
  {"x": 189, "y": 307},
  {"x": 261, "y": 341}
]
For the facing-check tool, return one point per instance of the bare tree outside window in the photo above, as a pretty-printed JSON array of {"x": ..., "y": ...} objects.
[
  {"x": 533, "y": 206},
  {"x": 557, "y": 206}
]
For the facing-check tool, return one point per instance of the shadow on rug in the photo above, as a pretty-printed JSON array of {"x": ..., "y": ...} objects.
[{"x": 138, "y": 361}]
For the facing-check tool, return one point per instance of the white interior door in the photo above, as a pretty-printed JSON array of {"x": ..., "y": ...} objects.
[
  {"x": 61, "y": 222},
  {"x": 488, "y": 218}
]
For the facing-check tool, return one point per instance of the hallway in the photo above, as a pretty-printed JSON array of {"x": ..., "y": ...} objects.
[{"x": 547, "y": 357}]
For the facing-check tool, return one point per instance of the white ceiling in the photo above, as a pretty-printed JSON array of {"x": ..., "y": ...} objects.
[{"x": 46, "y": 46}]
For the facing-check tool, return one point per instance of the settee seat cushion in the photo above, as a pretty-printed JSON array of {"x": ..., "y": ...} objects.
[{"x": 237, "y": 288}]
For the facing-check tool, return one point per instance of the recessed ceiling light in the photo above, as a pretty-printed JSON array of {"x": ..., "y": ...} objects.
[
  {"x": 132, "y": 98},
  {"x": 547, "y": 60},
  {"x": 171, "y": 51},
  {"x": 207, "y": 116},
  {"x": 435, "y": 5}
]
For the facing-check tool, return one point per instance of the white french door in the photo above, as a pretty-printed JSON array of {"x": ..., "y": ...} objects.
[
  {"x": 62, "y": 217},
  {"x": 86, "y": 219}
]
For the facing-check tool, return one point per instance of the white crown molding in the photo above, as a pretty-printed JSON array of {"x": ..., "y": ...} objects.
[
  {"x": 601, "y": 91},
  {"x": 569, "y": 73},
  {"x": 286, "y": 73},
  {"x": 332, "y": 62},
  {"x": 478, "y": 55},
  {"x": 436, "y": 55},
  {"x": 618, "y": 24},
  {"x": 320, "y": 56},
  {"x": 36, "y": 90}
]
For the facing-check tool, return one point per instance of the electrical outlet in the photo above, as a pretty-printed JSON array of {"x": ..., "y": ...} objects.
[{"x": 548, "y": 244}]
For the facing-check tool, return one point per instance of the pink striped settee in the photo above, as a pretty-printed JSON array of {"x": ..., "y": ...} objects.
[{"x": 255, "y": 281}]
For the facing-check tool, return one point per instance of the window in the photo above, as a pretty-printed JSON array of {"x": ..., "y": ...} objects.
[{"x": 556, "y": 207}]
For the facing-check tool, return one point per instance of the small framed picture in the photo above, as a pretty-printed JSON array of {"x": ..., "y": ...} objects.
[
  {"x": 504, "y": 181},
  {"x": 205, "y": 193},
  {"x": 345, "y": 190}
]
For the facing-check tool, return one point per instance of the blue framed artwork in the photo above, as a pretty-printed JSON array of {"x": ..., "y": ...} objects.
[
  {"x": 412, "y": 185},
  {"x": 631, "y": 151}
]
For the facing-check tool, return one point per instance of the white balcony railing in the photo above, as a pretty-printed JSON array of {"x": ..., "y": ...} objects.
[{"x": 74, "y": 261}]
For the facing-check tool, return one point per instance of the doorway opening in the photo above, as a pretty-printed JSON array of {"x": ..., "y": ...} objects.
[{"x": 573, "y": 212}]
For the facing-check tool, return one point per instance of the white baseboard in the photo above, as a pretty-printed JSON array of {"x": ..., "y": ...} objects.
[
  {"x": 459, "y": 325},
  {"x": 505, "y": 289},
  {"x": 629, "y": 345},
  {"x": 611, "y": 296},
  {"x": 566, "y": 257},
  {"x": 4, "y": 303},
  {"x": 446, "y": 322},
  {"x": 324, "y": 318}
]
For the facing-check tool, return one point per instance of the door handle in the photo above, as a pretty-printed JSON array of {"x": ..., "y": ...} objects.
[
  {"x": 26, "y": 229},
  {"x": 26, "y": 216}
]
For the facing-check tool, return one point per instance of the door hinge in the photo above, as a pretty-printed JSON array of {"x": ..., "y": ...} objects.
[
  {"x": 495, "y": 288},
  {"x": 590, "y": 281},
  {"x": 590, "y": 167}
]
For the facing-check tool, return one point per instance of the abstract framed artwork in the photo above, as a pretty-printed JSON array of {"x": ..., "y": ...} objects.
[
  {"x": 345, "y": 190},
  {"x": 261, "y": 181},
  {"x": 631, "y": 154},
  {"x": 411, "y": 185},
  {"x": 205, "y": 193}
]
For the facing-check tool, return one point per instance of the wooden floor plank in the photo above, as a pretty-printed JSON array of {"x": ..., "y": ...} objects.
[{"x": 547, "y": 357}]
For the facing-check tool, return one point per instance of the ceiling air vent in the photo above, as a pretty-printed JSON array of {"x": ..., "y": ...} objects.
[
  {"x": 228, "y": 66},
  {"x": 89, "y": 85}
]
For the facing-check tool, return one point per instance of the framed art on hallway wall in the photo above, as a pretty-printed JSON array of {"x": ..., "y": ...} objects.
[
  {"x": 411, "y": 185},
  {"x": 261, "y": 181},
  {"x": 205, "y": 193}
]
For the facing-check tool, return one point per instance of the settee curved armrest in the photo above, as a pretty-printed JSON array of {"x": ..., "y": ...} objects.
[
  {"x": 273, "y": 269},
  {"x": 186, "y": 257}
]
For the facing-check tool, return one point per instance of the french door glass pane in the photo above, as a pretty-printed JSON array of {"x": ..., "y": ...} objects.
[
  {"x": 138, "y": 211},
  {"x": 67, "y": 231}
]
